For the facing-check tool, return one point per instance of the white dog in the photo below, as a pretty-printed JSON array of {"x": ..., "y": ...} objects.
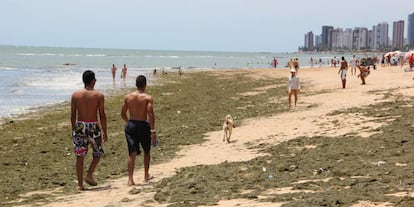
[{"x": 228, "y": 126}]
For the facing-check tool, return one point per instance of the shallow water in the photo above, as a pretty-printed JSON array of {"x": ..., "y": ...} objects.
[{"x": 36, "y": 76}]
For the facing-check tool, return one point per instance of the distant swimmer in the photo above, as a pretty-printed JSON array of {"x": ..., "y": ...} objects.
[
  {"x": 113, "y": 70},
  {"x": 124, "y": 71}
]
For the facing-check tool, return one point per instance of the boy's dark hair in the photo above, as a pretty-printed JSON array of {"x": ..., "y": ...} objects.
[
  {"x": 141, "y": 81},
  {"x": 88, "y": 76}
]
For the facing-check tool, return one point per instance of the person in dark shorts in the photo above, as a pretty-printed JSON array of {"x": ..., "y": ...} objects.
[
  {"x": 139, "y": 129},
  {"x": 138, "y": 133},
  {"x": 85, "y": 106}
]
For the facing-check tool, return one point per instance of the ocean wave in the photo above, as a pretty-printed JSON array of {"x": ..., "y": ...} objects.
[
  {"x": 95, "y": 55},
  {"x": 7, "y": 68},
  {"x": 53, "y": 82},
  {"x": 39, "y": 54},
  {"x": 162, "y": 56},
  {"x": 17, "y": 91},
  {"x": 61, "y": 54}
]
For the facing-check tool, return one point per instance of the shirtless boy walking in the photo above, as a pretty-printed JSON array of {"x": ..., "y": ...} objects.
[
  {"x": 85, "y": 105},
  {"x": 139, "y": 129}
]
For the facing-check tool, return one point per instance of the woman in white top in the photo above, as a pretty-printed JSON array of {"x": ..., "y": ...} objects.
[{"x": 293, "y": 86}]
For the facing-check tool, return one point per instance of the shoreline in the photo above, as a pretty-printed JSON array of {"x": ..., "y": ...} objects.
[
  {"x": 43, "y": 79},
  {"x": 321, "y": 95}
]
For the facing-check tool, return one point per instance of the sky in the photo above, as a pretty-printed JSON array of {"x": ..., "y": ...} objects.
[{"x": 201, "y": 25}]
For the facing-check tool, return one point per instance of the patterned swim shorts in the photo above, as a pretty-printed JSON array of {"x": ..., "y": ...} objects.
[{"x": 87, "y": 133}]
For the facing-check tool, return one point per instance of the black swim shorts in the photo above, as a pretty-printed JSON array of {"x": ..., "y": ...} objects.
[{"x": 136, "y": 133}]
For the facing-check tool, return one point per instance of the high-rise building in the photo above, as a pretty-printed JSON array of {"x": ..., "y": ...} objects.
[
  {"x": 341, "y": 39},
  {"x": 326, "y": 37},
  {"x": 410, "y": 28},
  {"x": 370, "y": 43},
  {"x": 348, "y": 38},
  {"x": 309, "y": 41},
  {"x": 380, "y": 36},
  {"x": 318, "y": 41},
  {"x": 336, "y": 37},
  {"x": 398, "y": 34},
  {"x": 363, "y": 38},
  {"x": 356, "y": 38}
]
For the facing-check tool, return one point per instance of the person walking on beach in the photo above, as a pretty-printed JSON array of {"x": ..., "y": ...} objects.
[
  {"x": 383, "y": 61},
  {"x": 363, "y": 73},
  {"x": 85, "y": 106},
  {"x": 311, "y": 62},
  {"x": 353, "y": 65},
  {"x": 124, "y": 72},
  {"x": 139, "y": 129},
  {"x": 113, "y": 70},
  {"x": 274, "y": 62},
  {"x": 342, "y": 71},
  {"x": 296, "y": 65},
  {"x": 293, "y": 87},
  {"x": 290, "y": 63},
  {"x": 334, "y": 62}
]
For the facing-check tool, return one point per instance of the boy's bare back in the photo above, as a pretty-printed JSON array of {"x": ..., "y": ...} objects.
[
  {"x": 139, "y": 105},
  {"x": 87, "y": 103}
]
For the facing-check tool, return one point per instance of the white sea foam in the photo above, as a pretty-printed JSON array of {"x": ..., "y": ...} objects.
[
  {"x": 37, "y": 54},
  {"x": 95, "y": 55}
]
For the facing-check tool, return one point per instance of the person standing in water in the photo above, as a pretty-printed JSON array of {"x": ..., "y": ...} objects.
[
  {"x": 113, "y": 70},
  {"x": 124, "y": 72}
]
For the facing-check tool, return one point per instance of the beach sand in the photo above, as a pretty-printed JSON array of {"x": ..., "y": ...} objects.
[{"x": 309, "y": 118}]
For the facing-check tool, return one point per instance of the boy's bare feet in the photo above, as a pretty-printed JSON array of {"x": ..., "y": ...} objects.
[
  {"x": 148, "y": 178},
  {"x": 131, "y": 183},
  {"x": 91, "y": 182}
]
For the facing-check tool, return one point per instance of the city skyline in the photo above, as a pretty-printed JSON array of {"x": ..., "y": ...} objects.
[{"x": 361, "y": 38}]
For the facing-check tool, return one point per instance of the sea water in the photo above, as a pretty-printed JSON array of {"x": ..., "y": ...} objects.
[{"x": 32, "y": 77}]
